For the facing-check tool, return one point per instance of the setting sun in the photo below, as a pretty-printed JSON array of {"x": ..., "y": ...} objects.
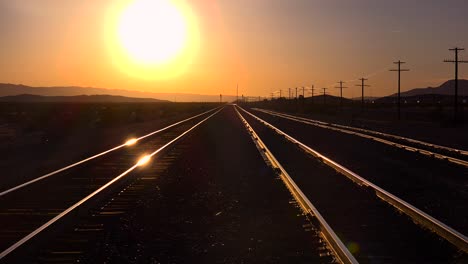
[
  {"x": 152, "y": 32},
  {"x": 153, "y": 39}
]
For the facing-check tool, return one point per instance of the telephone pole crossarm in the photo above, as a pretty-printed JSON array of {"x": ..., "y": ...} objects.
[
  {"x": 456, "y": 62},
  {"x": 362, "y": 85},
  {"x": 341, "y": 87},
  {"x": 399, "y": 70}
]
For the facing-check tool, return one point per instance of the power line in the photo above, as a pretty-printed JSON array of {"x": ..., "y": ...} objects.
[
  {"x": 456, "y": 61},
  {"x": 399, "y": 70},
  {"x": 362, "y": 89}
]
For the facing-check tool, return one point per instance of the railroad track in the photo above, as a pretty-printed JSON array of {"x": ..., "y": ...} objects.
[
  {"x": 436, "y": 186},
  {"x": 129, "y": 142},
  {"x": 368, "y": 218},
  {"x": 29, "y": 210},
  {"x": 456, "y": 156},
  {"x": 327, "y": 233}
]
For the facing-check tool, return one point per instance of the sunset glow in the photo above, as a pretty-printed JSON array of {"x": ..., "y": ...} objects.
[{"x": 180, "y": 47}]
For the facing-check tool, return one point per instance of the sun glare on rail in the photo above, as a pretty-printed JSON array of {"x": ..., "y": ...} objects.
[
  {"x": 152, "y": 39},
  {"x": 143, "y": 160},
  {"x": 131, "y": 142}
]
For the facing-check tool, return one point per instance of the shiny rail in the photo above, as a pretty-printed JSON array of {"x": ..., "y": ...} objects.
[
  {"x": 424, "y": 219},
  {"x": 128, "y": 143},
  {"x": 374, "y": 135},
  {"x": 105, "y": 186},
  {"x": 327, "y": 232}
]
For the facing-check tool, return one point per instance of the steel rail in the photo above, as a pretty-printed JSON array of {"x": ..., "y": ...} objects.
[
  {"x": 349, "y": 130},
  {"x": 424, "y": 219},
  {"x": 327, "y": 232},
  {"x": 82, "y": 201},
  {"x": 98, "y": 155},
  {"x": 420, "y": 142},
  {"x": 411, "y": 140}
]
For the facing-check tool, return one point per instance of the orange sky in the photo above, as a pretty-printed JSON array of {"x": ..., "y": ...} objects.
[{"x": 264, "y": 45}]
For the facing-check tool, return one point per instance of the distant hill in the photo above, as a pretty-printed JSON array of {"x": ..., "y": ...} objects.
[
  {"x": 7, "y": 89},
  {"x": 329, "y": 99},
  {"x": 442, "y": 94},
  {"x": 76, "y": 99},
  {"x": 447, "y": 88},
  {"x": 366, "y": 98}
]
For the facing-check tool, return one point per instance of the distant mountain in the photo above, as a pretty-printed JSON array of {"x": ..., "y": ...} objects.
[
  {"x": 447, "y": 88},
  {"x": 7, "y": 89},
  {"x": 76, "y": 99}
]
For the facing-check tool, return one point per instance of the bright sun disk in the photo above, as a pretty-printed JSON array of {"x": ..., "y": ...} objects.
[
  {"x": 153, "y": 39},
  {"x": 152, "y": 32}
]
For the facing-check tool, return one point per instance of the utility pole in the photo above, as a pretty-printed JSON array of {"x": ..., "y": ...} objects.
[
  {"x": 399, "y": 70},
  {"x": 341, "y": 92},
  {"x": 456, "y": 61},
  {"x": 296, "y": 92},
  {"x": 289, "y": 93},
  {"x": 303, "y": 94},
  {"x": 237, "y": 94},
  {"x": 362, "y": 89},
  {"x": 312, "y": 94},
  {"x": 220, "y": 98},
  {"x": 280, "y": 94},
  {"x": 324, "y": 93}
]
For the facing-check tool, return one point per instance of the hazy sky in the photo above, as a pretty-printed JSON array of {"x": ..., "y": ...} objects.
[{"x": 264, "y": 45}]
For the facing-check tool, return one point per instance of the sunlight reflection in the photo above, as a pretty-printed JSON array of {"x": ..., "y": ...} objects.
[
  {"x": 131, "y": 142},
  {"x": 142, "y": 161}
]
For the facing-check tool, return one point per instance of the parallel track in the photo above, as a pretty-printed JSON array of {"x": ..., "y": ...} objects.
[
  {"x": 309, "y": 209},
  {"x": 34, "y": 207},
  {"x": 456, "y": 156},
  {"x": 456, "y": 238},
  {"x": 128, "y": 143}
]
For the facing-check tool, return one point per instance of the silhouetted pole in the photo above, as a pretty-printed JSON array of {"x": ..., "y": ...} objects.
[
  {"x": 303, "y": 94},
  {"x": 362, "y": 90},
  {"x": 341, "y": 92},
  {"x": 280, "y": 93},
  {"x": 324, "y": 92},
  {"x": 456, "y": 61},
  {"x": 289, "y": 93},
  {"x": 312, "y": 96},
  {"x": 399, "y": 70},
  {"x": 220, "y": 98},
  {"x": 237, "y": 93},
  {"x": 296, "y": 92}
]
